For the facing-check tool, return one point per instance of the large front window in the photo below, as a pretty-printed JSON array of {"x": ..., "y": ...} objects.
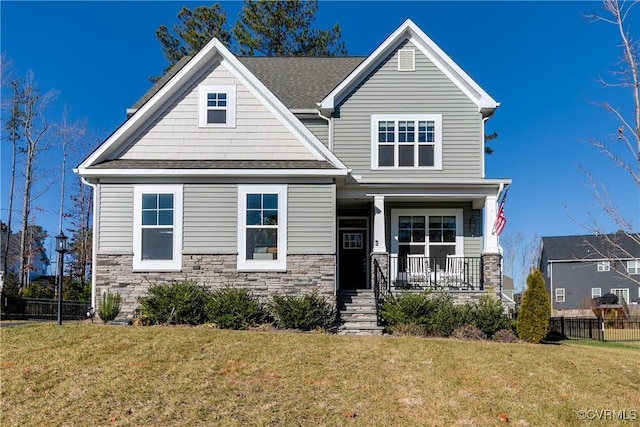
[
  {"x": 435, "y": 233},
  {"x": 406, "y": 141},
  {"x": 157, "y": 235},
  {"x": 262, "y": 219}
]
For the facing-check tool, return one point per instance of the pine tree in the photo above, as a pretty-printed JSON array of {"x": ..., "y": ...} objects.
[{"x": 535, "y": 310}]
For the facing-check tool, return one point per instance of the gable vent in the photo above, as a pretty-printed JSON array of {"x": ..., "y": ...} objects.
[{"x": 406, "y": 60}]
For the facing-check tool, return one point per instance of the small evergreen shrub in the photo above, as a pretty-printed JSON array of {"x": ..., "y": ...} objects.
[
  {"x": 407, "y": 308},
  {"x": 310, "y": 311},
  {"x": 535, "y": 310},
  {"x": 109, "y": 306},
  {"x": 175, "y": 302},
  {"x": 488, "y": 315},
  {"x": 445, "y": 316},
  {"x": 234, "y": 308},
  {"x": 505, "y": 335},
  {"x": 469, "y": 333}
]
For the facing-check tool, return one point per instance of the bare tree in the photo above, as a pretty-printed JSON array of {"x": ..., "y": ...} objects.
[
  {"x": 520, "y": 255},
  {"x": 623, "y": 144},
  {"x": 35, "y": 130}
]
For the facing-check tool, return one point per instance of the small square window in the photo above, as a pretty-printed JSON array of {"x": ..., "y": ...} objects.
[
  {"x": 604, "y": 265},
  {"x": 596, "y": 292},
  {"x": 560, "y": 294},
  {"x": 217, "y": 105}
]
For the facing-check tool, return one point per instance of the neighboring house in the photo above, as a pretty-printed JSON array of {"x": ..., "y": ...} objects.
[
  {"x": 508, "y": 296},
  {"x": 579, "y": 268},
  {"x": 288, "y": 175},
  {"x": 37, "y": 260}
]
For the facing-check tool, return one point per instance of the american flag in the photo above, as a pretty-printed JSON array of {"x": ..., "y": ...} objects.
[{"x": 501, "y": 220}]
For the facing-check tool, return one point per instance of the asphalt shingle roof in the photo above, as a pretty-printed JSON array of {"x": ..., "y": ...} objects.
[
  {"x": 213, "y": 164},
  {"x": 299, "y": 82},
  {"x": 618, "y": 245}
]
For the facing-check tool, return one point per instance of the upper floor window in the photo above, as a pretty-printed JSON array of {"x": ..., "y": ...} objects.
[
  {"x": 604, "y": 265},
  {"x": 217, "y": 106},
  {"x": 262, "y": 227},
  {"x": 406, "y": 141},
  {"x": 633, "y": 266},
  {"x": 157, "y": 227},
  {"x": 560, "y": 294}
]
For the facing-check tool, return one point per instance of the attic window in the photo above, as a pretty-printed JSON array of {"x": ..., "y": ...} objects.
[
  {"x": 217, "y": 106},
  {"x": 407, "y": 60}
]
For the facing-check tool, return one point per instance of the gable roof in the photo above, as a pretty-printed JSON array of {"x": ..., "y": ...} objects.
[
  {"x": 408, "y": 30},
  {"x": 171, "y": 87},
  {"x": 573, "y": 248}
]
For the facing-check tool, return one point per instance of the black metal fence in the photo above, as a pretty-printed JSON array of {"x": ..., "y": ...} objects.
[
  {"x": 42, "y": 309},
  {"x": 435, "y": 273},
  {"x": 600, "y": 329}
]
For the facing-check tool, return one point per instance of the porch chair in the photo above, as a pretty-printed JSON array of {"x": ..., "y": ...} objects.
[
  {"x": 418, "y": 269},
  {"x": 454, "y": 272}
]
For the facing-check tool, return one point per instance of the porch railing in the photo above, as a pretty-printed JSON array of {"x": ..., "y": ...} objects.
[{"x": 435, "y": 273}]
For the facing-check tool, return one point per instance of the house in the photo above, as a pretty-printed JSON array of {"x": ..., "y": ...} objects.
[
  {"x": 288, "y": 175},
  {"x": 578, "y": 269},
  {"x": 37, "y": 261}
]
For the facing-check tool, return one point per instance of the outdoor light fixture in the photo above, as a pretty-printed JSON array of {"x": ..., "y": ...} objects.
[{"x": 61, "y": 248}]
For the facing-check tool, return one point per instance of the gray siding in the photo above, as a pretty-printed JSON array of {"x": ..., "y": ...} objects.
[
  {"x": 577, "y": 278},
  {"x": 115, "y": 215},
  {"x": 425, "y": 91},
  {"x": 311, "y": 225},
  {"x": 319, "y": 127},
  {"x": 210, "y": 219}
]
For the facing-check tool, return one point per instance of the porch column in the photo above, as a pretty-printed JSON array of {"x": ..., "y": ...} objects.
[
  {"x": 379, "y": 244},
  {"x": 490, "y": 214}
]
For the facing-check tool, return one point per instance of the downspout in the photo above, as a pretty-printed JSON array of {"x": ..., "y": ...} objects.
[
  {"x": 551, "y": 297},
  {"x": 94, "y": 240},
  {"x": 330, "y": 125}
]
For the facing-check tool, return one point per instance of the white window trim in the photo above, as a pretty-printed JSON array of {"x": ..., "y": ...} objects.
[
  {"x": 560, "y": 295},
  {"x": 596, "y": 292},
  {"x": 230, "y": 90},
  {"x": 175, "y": 264},
  {"x": 396, "y": 213},
  {"x": 604, "y": 266},
  {"x": 437, "y": 151},
  {"x": 262, "y": 265},
  {"x": 625, "y": 294},
  {"x": 636, "y": 265}
]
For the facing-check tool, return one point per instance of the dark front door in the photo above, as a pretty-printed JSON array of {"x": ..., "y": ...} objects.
[{"x": 352, "y": 258}]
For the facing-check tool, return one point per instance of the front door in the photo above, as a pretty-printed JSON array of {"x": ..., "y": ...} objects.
[{"x": 352, "y": 259}]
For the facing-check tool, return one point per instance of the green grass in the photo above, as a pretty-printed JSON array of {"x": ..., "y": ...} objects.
[{"x": 90, "y": 375}]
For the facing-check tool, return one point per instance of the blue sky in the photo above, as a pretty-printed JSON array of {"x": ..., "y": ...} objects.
[{"x": 540, "y": 60}]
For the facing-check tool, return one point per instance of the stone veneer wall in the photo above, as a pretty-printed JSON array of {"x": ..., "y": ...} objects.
[
  {"x": 305, "y": 273},
  {"x": 492, "y": 272}
]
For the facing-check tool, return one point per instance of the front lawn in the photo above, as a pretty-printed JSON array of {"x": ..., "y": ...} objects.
[{"x": 91, "y": 375}]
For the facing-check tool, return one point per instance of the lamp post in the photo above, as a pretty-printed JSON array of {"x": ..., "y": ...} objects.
[{"x": 61, "y": 248}]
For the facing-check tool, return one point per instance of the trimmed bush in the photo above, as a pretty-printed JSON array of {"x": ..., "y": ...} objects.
[
  {"x": 109, "y": 306},
  {"x": 307, "y": 312},
  {"x": 175, "y": 302},
  {"x": 407, "y": 308},
  {"x": 234, "y": 308},
  {"x": 535, "y": 310},
  {"x": 446, "y": 316},
  {"x": 488, "y": 315}
]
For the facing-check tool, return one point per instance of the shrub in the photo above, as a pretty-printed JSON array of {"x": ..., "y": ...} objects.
[
  {"x": 488, "y": 315},
  {"x": 175, "y": 302},
  {"x": 308, "y": 312},
  {"x": 109, "y": 306},
  {"x": 469, "y": 333},
  {"x": 535, "y": 310},
  {"x": 445, "y": 316},
  {"x": 505, "y": 335},
  {"x": 234, "y": 308},
  {"x": 407, "y": 308}
]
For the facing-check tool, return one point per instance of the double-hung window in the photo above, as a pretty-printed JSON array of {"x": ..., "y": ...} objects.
[
  {"x": 633, "y": 266},
  {"x": 157, "y": 227},
  {"x": 262, "y": 227},
  {"x": 560, "y": 295},
  {"x": 604, "y": 266},
  {"x": 406, "y": 141},
  {"x": 217, "y": 106}
]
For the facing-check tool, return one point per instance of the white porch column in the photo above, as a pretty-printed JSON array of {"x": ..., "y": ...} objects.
[
  {"x": 379, "y": 244},
  {"x": 490, "y": 214}
]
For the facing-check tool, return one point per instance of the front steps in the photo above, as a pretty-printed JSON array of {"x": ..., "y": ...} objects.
[{"x": 357, "y": 313}]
